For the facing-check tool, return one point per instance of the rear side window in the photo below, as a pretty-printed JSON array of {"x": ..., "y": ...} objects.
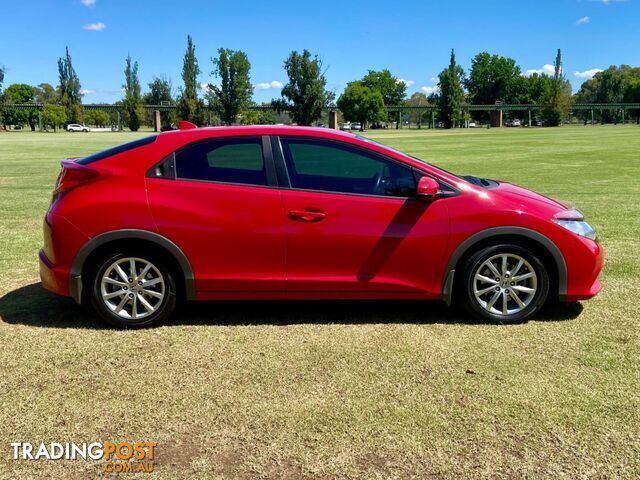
[
  {"x": 228, "y": 160},
  {"x": 119, "y": 149}
]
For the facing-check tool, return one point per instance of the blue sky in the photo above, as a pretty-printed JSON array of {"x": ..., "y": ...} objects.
[{"x": 411, "y": 38}]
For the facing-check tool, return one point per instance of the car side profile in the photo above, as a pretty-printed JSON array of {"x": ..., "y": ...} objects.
[
  {"x": 270, "y": 212},
  {"x": 75, "y": 127}
]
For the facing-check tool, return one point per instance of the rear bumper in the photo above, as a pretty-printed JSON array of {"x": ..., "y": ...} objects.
[{"x": 53, "y": 279}]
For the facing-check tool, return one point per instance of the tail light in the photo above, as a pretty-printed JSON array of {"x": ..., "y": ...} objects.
[{"x": 73, "y": 175}]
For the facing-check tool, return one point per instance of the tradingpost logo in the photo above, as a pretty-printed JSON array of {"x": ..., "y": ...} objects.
[{"x": 115, "y": 457}]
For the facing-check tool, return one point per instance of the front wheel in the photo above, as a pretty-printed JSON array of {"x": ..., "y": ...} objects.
[
  {"x": 133, "y": 290},
  {"x": 504, "y": 284}
]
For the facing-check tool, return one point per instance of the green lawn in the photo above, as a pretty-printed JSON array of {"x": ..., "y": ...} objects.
[{"x": 339, "y": 390}]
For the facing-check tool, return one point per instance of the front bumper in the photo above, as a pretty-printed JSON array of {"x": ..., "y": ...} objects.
[{"x": 583, "y": 271}]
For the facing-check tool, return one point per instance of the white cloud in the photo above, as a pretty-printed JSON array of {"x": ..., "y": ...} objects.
[
  {"x": 268, "y": 85},
  {"x": 87, "y": 91},
  {"x": 546, "y": 69},
  {"x": 408, "y": 83},
  {"x": 88, "y": 3},
  {"x": 434, "y": 79},
  {"x": 429, "y": 89},
  {"x": 589, "y": 74},
  {"x": 205, "y": 87},
  {"x": 583, "y": 20},
  {"x": 607, "y": 2},
  {"x": 95, "y": 27}
]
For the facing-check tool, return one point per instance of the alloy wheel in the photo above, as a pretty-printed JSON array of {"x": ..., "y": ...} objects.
[
  {"x": 132, "y": 288},
  {"x": 505, "y": 284}
]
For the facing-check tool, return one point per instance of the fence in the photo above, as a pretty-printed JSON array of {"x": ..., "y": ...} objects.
[{"x": 497, "y": 111}]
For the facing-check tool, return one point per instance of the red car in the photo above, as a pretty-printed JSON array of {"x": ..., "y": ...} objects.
[{"x": 301, "y": 213}]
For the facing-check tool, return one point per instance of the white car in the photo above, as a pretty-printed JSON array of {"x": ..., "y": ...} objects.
[
  {"x": 472, "y": 125},
  {"x": 74, "y": 127},
  {"x": 345, "y": 126},
  {"x": 516, "y": 123}
]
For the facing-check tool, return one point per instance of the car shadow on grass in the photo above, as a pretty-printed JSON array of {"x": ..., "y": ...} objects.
[{"x": 32, "y": 305}]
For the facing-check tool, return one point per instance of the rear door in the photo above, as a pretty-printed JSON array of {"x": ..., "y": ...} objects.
[{"x": 217, "y": 199}]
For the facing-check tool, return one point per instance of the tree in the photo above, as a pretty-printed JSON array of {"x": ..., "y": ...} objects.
[
  {"x": 190, "y": 107},
  {"x": 257, "y": 117},
  {"x": 361, "y": 103},
  {"x": 450, "y": 83},
  {"x": 54, "y": 115},
  {"x": 235, "y": 90},
  {"x": 418, "y": 99},
  {"x": 609, "y": 86},
  {"x": 20, "y": 93},
  {"x": 98, "y": 118},
  {"x": 305, "y": 92},
  {"x": 1, "y": 77},
  {"x": 45, "y": 93},
  {"x": 392, "y": 89},
  {"x": 557, "y": 104},
  {"x": 69, "y": 88},
  {"x": 132, "y": 102},
  {"x": 493, "y": 78},
  {"x": 159, "y": 94},
  {"x": 632, "y": 94}
]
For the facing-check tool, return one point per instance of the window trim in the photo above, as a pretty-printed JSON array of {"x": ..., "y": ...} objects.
[
  {"x": 267, "y": 158},
  {"x": 282, "y": 166}
]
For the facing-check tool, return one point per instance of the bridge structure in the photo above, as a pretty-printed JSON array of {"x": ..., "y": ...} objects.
[{"x": 496, "y": 110}]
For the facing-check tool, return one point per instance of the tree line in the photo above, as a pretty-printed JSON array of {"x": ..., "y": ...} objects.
[{"x": 228, "y": 97}]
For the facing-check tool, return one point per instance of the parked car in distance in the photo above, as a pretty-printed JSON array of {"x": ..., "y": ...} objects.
[
  {"x": 74, "y": 127},
  {"x": 17, "y": 127},
  {"x": 345, "y": 127},
  {"x": 516, "y": 123},
  {"x": 267, "y": 212},
  {"x": 356, "y": 126},
  {"x": 471, "y": 124}
]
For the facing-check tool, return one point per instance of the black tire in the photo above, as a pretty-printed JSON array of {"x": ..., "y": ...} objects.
[
  {"x": 163, "y": 311},
  {"x": 472, "y": 304}
]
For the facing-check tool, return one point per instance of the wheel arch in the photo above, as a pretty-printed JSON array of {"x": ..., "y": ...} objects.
[
  {"x": 551, "y": 254},
  {"x": 103, "y": 242}
]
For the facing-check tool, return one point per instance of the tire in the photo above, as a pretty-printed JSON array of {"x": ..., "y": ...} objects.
[
  {"x": 114, "y": 298},
  {"x": 483, "y": 290}
]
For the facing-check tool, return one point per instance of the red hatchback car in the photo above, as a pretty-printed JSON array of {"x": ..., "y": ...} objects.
[{"x": 271, "y": 212}]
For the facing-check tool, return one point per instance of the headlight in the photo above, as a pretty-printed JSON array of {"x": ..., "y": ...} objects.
[{"x": 579, "y": 227}]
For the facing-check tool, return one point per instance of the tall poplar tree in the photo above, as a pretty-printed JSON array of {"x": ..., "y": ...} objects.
[
  {"x": 190, "y": 107},
  {"x": 69, "y": 88},
  {"x": 451, "y": 92},
  {"x": 235, "y": 89},
  {"x": 132, "y": 102}
]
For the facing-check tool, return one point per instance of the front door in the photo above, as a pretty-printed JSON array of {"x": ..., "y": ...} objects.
[{"x": 354, "y": 224}]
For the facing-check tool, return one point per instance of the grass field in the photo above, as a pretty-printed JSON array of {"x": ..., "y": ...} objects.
[{"x": 339, "y": 390}]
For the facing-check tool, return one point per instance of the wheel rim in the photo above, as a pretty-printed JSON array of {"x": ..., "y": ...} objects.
[
  {"x": 132, "y": 288},
  {"x": 505, "y": 284}
]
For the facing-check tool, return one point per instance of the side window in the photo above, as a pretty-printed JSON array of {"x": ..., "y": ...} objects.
[
  {"x": 335, "y": 167},
  {"x": 229, "y": 160}
]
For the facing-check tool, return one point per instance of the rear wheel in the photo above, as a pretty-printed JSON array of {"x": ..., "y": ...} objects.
[
  {"x": 133, "y": 290},
  {"x": 504, "y": 284}
]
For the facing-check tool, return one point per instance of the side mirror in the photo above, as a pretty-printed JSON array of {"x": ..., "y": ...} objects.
[{"x": 428, "y": 188}]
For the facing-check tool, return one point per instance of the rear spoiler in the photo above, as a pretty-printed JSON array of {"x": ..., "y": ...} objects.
[{"x": 184, "y": 125}]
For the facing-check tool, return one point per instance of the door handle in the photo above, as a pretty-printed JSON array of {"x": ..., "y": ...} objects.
[{"x": 306, "y": 216}]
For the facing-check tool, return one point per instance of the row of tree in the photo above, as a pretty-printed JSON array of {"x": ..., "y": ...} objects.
[{"x": 491, "y": 79}]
